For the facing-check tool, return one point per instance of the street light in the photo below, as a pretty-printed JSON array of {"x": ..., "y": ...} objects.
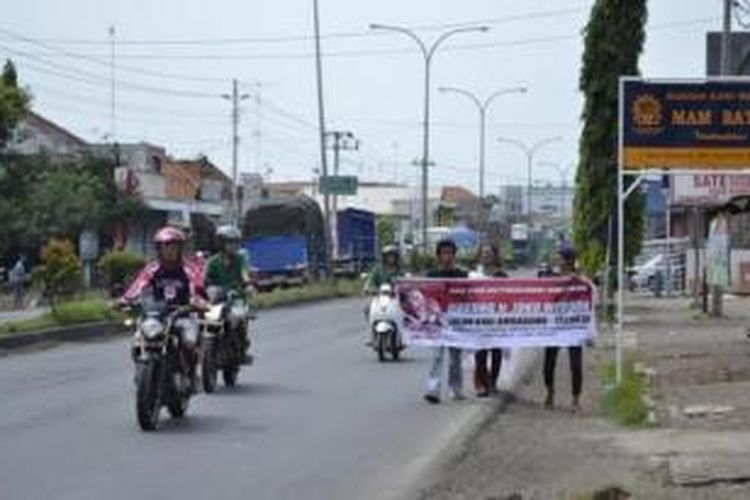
[
  {"x": 427, "y": 52},
  {"x": 563, "y": 171},
  {"x": 530, "y": 151},
  {"x": 483, "y": 107}
]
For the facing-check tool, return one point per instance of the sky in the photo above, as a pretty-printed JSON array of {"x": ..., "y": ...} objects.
[{"x": 175, "y": 61}]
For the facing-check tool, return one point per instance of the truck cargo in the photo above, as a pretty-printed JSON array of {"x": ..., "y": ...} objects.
[
  {"x": 285, "y": 241},
  {"x": 356, "y": 236}
]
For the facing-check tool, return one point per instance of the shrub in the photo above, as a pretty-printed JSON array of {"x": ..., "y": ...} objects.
[
  {"x": 60, "y": 272},
  {"x": 117, "y": 268}
]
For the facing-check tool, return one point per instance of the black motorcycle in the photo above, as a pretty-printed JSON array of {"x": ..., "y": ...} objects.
[
  {"x": 224, "y": 339},
  {"x": 162, "y": 369}
]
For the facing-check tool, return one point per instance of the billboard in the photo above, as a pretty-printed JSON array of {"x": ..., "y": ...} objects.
[
  {"x": 686, "y": 125},
  {"x": 708, "y": 189}
]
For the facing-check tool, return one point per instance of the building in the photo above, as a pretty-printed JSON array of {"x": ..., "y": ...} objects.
[
  {"x": 36, "y": 134},
  {"x": 548, "y": 201}
]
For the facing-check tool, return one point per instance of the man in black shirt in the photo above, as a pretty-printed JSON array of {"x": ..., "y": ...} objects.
[{"x": 446, "y": 256}]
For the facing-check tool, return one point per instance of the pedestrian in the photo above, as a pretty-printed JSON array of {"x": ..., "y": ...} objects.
[
  {"x": 446, "y": 269},
  {"x": 567, "y": 264},
  {"x": 485, "y": 377},
  {"x": 18, "y": 282}
]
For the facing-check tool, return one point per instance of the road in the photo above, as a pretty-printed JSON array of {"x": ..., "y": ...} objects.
[{"x": 316, "y": 418}]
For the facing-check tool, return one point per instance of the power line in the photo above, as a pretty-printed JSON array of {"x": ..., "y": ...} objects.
[
  {"x": 93, "y": 78},
  {"x": 534, "y": 15},
  {"x": 544, "y": 40}
]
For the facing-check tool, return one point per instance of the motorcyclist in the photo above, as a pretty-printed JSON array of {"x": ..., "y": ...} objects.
[
  {"x": 171, "y": 280},
  {"x": 228, "y": 270},
  {"x": 388, "y": 271}
]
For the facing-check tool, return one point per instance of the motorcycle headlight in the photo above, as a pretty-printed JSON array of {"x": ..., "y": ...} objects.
[
  {"x": 151, "y": 328},
  {"x": 190, "y": 331},
  {"x": 237, "y": 311}
]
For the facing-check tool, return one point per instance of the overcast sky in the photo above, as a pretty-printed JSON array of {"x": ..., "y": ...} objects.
[{"x": 170, "y": 93}]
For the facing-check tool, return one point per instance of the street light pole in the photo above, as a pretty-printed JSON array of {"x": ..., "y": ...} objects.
[
  {"x": 530, "y": 151},
  {"x": 483, "y": 107},
  {"x": 427, "y": 52}
]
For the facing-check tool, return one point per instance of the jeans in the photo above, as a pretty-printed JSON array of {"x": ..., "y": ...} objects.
[
  {"x": 576, "y": 368},
  {"x": 455, "y": 373}
]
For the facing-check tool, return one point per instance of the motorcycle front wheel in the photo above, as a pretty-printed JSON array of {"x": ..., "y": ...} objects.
[
  {"x": 147, "y": 395},
  {"x": 208, "y": 367},
  {"x": 381, "y": 347}
]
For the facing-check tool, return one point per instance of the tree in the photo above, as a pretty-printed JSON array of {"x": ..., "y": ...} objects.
[
  {"x": 386, "y": 231},
  {"x": 60, "y": 272},
  {"x": 14, "y": 103},
  {"x": 614, "y": 39}
]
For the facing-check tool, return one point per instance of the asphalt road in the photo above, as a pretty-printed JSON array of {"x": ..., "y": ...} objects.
[{"x": 316, "y": 418}]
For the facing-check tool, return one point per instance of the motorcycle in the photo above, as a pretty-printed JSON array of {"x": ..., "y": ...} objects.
[
  {"x": 225, "y": 325},
  {"x": 385, "y": 324},
  {"x": 162, "y": 370}
]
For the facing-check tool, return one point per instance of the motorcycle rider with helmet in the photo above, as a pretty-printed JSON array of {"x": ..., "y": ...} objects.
[
  {"x": 228, "y": 270},
  {"x": 171, "y": 280},
  {"x": 388, "y": 271}
]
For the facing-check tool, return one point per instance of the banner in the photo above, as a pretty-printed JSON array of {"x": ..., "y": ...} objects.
[
  {"x": 486, "y": 313},
  {"x": 686, "y": 125}
]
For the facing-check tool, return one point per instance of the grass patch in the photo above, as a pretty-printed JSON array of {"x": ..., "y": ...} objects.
[
  {"x": 83, "y": 311},
  {"x": 75, "y": 312},
  {"x": 308, "y": 293},
  {"x": 624, "y": 403}
]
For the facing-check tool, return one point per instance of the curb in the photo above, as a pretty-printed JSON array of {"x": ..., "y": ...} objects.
[
  {"x": 69, "y": 333},
  {"x": 105, "y": 329}
]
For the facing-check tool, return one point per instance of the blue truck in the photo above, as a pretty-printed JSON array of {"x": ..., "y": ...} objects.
[
  {"x": 277, "y": 261},
  {"x": 284, "y": 239},
  {"x": 357, "y": 243}
]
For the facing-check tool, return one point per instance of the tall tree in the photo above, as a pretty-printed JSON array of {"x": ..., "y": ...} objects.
[
  {"x": 614, "y": 39},
  {"x": 14, "y": 103}
]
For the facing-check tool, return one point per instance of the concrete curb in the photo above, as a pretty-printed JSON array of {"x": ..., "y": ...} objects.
[{"x": 69, "y": 333}]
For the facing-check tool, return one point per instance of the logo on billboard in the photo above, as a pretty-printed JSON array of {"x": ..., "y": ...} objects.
[{"x": 648, "y": 114}]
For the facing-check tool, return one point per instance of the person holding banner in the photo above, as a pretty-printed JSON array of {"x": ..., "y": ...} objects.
[
  {"x": 446, "y": 268},
  {"x": 485, "y": 377},
  {"x": 567, "y": 259}
]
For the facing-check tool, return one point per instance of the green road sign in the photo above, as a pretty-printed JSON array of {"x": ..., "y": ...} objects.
[{"x": 339, "y": 184}]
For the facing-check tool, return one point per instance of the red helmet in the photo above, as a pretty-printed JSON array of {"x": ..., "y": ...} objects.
[{"x": 168, "y": 235}]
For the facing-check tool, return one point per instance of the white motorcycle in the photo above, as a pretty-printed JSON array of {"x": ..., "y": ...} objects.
[{"x": 385, "y": 324}]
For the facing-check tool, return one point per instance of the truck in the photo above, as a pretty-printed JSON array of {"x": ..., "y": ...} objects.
[
  {"x": 284, "y": 239},
  {"x": 277, "y": 261},
  {"x": 356, "y": 238}
]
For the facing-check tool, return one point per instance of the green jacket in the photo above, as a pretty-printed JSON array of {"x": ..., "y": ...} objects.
[
  {"x": 228, "y": 277},
  {"x": 381, "y": 276}
]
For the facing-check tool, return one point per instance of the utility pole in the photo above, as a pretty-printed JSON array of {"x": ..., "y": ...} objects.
[
  {"x": 235, "y": 97},
  {"x": 112, "y": 90},
  {"x": 322, "y": 134},
  {"x": 340, "y": 141},
  {"x": 258, "y": 125}
]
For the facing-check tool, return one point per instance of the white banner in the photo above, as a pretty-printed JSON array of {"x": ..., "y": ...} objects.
[{"x": 487, "y": 313}]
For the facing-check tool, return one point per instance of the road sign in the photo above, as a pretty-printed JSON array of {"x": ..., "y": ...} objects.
[
  {"x": 679, "y": 125},
  {"x": 345, "y": 185}
]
